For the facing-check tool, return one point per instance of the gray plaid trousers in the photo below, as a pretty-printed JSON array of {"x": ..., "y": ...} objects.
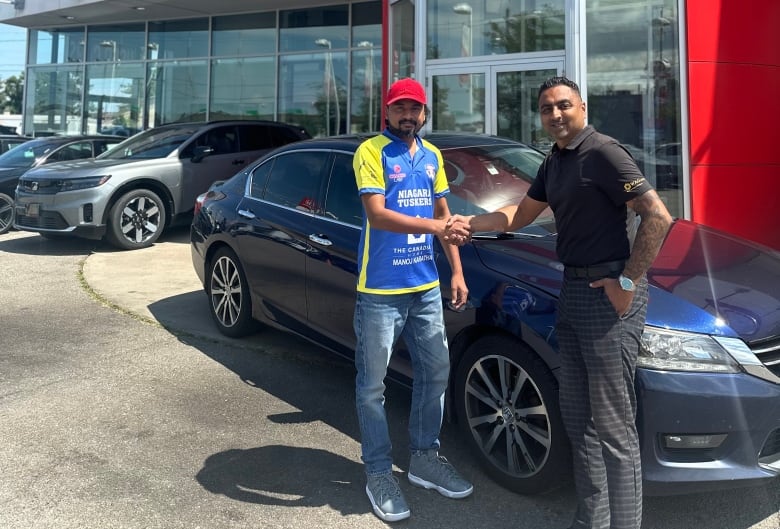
[{"x": 598, "y": 403}]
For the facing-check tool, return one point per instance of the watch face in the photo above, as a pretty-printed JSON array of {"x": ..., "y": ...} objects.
[{"x": 626, "y": 283}]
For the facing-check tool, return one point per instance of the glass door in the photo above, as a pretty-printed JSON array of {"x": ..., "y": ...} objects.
[{"x": 498, "y": 99}]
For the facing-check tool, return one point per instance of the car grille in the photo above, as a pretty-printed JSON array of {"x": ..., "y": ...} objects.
[
  {"x": 770, "y": 452},
  {"x": 768, "y": 351},
  {"x": 39, "y": 187},
  {"x": 49, "y": 220}
]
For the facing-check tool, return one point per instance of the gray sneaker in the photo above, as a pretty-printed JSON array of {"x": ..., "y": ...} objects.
[
  {"x": 430, "y": 470},
  {"x": 386, "y": 497}
]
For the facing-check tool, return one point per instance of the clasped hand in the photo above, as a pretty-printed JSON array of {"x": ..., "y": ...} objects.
[{"x": 458, "y": 230}]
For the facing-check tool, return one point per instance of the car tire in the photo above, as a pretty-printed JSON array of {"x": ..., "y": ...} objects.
[
  {"x": 136, "y": 220},
  {"x": 6, "y": 213},
  {"x": 230, "y": 304},
  {"x": 515, "y": 432}
]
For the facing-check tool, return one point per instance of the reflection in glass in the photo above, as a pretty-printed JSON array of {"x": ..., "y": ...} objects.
[
  {"x": 180, "y": 39},
  {"x": 114, "y": 98},
  {"x": 460, "y": 102},
  {"x": 243, "y": 88},
  {"x": 402, "y": 59},
  {"x": 300, "y": 29},
  {"x": 633, "y": 88},
  {"x": 56, "y": 46},
  {"x": 244, "y": 34},
  {"x": 116, "y": 43},
  {"x": 366, "y": 87},
  {"x": 303, "y": 97},
  {"x": 517, "y": 107},
  {"x": 55, "y": 103},
  {"x": 176, "y": 92},
  {"x": 471, "y": 29}
]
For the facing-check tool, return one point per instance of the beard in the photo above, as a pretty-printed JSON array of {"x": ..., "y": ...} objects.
[{"x": 404, "y": 133}]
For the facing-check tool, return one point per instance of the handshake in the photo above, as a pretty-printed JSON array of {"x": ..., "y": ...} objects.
[{"x": 458, "y": 230}]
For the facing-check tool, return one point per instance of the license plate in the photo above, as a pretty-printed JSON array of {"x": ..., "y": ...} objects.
[{"x": 32, "y": 209}]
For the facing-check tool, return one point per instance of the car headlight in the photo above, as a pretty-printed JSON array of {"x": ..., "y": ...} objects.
[
  {"x": 74, "y": 184},
  {"x": 684, "y": 351}
]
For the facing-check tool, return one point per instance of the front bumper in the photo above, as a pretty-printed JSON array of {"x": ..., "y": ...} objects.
[
  {"x": 78, "y": 213},
  {"x": 744, "y": 408}
]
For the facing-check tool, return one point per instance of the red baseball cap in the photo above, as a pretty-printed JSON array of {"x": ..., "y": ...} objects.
[{"x": 406, "y": 89}]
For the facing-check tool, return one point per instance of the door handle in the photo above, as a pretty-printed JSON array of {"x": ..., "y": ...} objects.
[
  {"x": 246, "y": 213},
  {"x": 237, "y": 162},
  {"x": 320, "y": 239}
]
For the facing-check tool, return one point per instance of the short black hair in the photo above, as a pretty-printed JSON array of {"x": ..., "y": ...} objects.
[{"x": 558, "y": 81}]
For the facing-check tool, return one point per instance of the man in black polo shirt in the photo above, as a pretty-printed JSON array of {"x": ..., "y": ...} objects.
[{"x": 595, "y": 191}]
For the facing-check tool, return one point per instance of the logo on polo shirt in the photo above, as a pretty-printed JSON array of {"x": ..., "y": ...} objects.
[
  {"x": 633, "y": 184},
  {"x": 430, "y": 170},
  {"x": 397, "y": 175}
]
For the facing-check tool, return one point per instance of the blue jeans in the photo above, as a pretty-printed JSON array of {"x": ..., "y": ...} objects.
[{"x": 379, "y": 321}]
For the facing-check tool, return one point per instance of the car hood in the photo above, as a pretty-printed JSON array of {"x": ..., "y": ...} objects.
[
  {"x": 703, "y": 280},
  {"x": 84, "y": 168},
  {"x": 7, "y": 173}
]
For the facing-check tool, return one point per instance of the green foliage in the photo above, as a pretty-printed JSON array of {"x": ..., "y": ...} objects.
[{"x": 11, "y": 92}]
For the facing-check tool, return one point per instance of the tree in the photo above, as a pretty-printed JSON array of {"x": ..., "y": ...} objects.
[{"x": 11, "y": 91}]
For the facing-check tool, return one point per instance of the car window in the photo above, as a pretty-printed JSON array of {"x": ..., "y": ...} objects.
[
  {"x": 153, "y": 143},
  {"x": 102, "y": 146},
  {"x": 259, "y": 179},
  {"x": 73, "y": 151},
  {"x": 342, "y": 201},
  {"x": 224, "y": 140},
  {"x": 296, "y": 179},
  {"x": 254, "y": 138}
]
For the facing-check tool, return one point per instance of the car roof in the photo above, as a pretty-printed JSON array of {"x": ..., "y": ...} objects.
[
  {"x": 56, "y": 140},
  {"x": 201, "y": 124},
  {"x": 442, "y": 140}
]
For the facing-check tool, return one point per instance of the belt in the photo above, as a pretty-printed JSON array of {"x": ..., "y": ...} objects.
[{"x": 595, "y": 271}]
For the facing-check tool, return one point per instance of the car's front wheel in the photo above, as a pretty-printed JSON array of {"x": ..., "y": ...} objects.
[
  {"x": 507, "y": 404},
  {"x": 6, "y": 213},
  {"x": 228, "y": 292},
  {"x": 136, "y": 220}
]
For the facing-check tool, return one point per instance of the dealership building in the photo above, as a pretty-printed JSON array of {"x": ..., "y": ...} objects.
[{"x": 691, "y": 87}]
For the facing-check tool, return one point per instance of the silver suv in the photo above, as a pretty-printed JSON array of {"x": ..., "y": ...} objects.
[{"x": 130, "y": 193}]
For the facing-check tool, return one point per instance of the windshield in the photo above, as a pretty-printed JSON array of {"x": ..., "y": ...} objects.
[
  {"x": 487, "y": 178},
  {"x": 153, "y": 143},
  {"x": 24, "y": 155}
]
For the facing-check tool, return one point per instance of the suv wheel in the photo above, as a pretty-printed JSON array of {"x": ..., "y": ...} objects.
[
  {"x": 136, "y": 220},
  {"x": 229, "y": 301},
  {"x": 507, "y": 404},
  {"x": 6, "y": 213}
]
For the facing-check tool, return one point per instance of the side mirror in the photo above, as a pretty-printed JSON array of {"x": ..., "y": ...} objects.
[{"x": 201, "y": 152}]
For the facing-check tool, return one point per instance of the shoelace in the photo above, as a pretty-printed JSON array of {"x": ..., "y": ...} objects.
[{"x": 387, "y": 487}]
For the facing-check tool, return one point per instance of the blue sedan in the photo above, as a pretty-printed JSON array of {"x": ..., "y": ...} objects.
[{"x": 276, "y": 245}]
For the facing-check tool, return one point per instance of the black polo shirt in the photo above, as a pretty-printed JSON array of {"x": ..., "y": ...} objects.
[{"x": 587, "y": 185}]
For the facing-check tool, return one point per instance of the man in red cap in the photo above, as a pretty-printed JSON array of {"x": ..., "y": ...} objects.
[{"x": 401, "y": 181}]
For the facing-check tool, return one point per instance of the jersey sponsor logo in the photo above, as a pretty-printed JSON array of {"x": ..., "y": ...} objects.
[
  {"x": 430, "y": 170},
  {"x": 397, "y": 175}
]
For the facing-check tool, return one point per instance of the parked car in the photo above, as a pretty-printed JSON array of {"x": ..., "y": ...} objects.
[
  {"x": 40, "y": 152},
  {"x": 8, "y": 141},
  {"x": 277, "y": 244},
  {"x": 132, "y": 192}
]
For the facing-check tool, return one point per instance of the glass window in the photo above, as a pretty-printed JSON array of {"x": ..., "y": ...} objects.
[
  {"x": 313, "y": 91},
  {"x": 367, "y": 23},
  {"x": 634, "y": 90},
  {"x": 116, "y": 43},
  {"x": 309, "y": 29},
  {"x": 179, "y": 39},
  {"x": 54, "y": 100},
  {"x": 243, "y": 88},
  {"x": 259, "y": 179},
  {"x": 56, "y": 46},
  {"x": 74, "y": 151},
  {"x": 115, "y": 98},
  {"x": 402, "y": 27},
  {"x": 248, "y": 34},
  {"x": 468, "y": 29},
  {"x": 366, "y": 94},
  {"x": 343, "y": 201},
  {"x": 176, "y": 92},
  {"x": 296, "y": 179}
]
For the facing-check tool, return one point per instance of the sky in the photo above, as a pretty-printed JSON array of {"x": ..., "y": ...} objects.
[{"x": 12, "y": 44}]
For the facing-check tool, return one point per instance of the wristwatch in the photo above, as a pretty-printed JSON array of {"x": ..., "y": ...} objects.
[{"x": 626, "y": 283}]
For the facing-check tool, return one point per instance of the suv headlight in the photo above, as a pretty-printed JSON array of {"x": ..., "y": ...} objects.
[
  {"x": 74, "y": 184},
  {"x": 683, "y": 351}
]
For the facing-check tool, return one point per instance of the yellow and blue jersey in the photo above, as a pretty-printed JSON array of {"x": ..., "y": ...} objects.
[{"x": 398, "y": 263}]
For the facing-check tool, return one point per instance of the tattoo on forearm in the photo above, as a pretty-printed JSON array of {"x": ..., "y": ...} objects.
[{"x": 650, "y": 235}]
